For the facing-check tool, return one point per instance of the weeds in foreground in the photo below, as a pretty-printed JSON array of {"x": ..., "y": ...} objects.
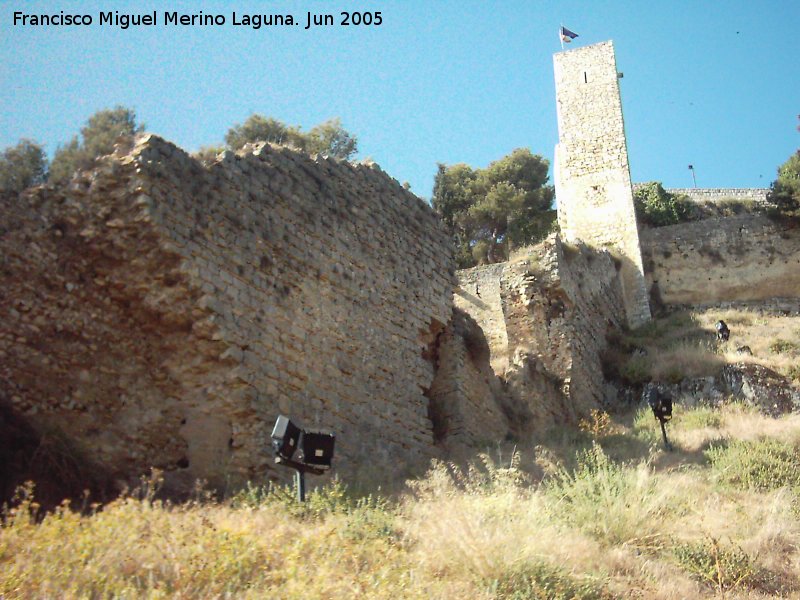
[
  {"x": 614, "y": 503},
  {"x": 762, "y": 465},
  {"x": 540, "y": 581},
  {"x": 722, "y": 566},
  {"x": 594, "y": 527}
]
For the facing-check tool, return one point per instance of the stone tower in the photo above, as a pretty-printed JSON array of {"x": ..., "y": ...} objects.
[{"x": 592, "y": 177}]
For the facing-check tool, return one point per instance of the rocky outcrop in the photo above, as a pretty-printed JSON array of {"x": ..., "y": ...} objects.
[{"x": 753, "y": 384}]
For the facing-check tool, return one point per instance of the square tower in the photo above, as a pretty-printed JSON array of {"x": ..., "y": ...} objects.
[{"x": 592, "y": 176}]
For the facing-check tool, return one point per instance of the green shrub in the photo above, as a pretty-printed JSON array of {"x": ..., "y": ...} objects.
[
  {"x": 698, "y": 418},
  {"x": 780, "y": 346},
  {"x": 612, "y": 502},
  {"x": 763, "y": 465},
  {"x": 785, "y": 190},
  {"x": 657, "y": 207},
  {"x": 636, "y": 370},
  {"x": 539, "y": 581},
  {"x": 722, "y": 567}
]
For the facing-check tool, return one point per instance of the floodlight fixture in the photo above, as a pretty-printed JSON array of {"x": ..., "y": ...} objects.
[
  {"x": 661, "y": 405},
  {"x": 317, "y": 448},
  {"x": 285, "y": 437},
  {"x": 303, "y": 451}
]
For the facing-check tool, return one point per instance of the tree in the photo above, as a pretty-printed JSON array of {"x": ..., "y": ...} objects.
[
  {"x": 656, "y": 207},
  {"x": 326, "y": 138},
  {"x": 98, "y": 137},
  {"x": 331, "y": 139},
  {"x": 258, "y": 128},
  {"x": 22, "y": 166},
  {"x": 785, "y": 190},
  {"x": 452, "y": 197},
  {"x": 490, "y": 211}
]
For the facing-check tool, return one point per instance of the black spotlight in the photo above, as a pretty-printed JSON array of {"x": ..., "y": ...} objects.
[
  {"x": 303, "y": 451},
  {"x": 661, "y": 405},
  {"x": 317, "y": 448},
  {"x": 285, "y": 437}
]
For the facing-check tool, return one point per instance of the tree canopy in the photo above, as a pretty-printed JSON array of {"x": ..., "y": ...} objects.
[
  {"x": 494, "y": 210},
  {"x": 785, "y": 190},
  {"x": 326, "y": 138},
  {"x": 656, "y": 207},
  {"x": 97, "y": 138},
  {"x": 22, "y": 166}
]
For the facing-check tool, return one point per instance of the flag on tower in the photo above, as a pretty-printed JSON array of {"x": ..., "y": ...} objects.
[{"x": 567, "y": 35}]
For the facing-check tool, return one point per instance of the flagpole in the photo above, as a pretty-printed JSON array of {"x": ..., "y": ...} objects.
[{"x": 560, "y": 37}]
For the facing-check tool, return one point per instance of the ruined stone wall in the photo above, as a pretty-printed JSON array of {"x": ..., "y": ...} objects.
[
  {"x": 556, "y": 304},
  {"x": 592, "y": 175},
  {"x": 164, "y": 313},
  {"x": 756, "y": 195},
  {"x": 478, "y": 293},
  {"x": 469, "y": 408},
  {"x": 740, "y": 258}
]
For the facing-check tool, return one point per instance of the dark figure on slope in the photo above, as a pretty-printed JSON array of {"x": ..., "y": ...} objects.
[{"x": 723, "y": 333}]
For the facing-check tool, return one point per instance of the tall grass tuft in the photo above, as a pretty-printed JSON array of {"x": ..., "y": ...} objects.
[
  {"x": 722, "y": 566},
  {"x": 614, "y": 503},
  {"x": 762, "y": 465}
]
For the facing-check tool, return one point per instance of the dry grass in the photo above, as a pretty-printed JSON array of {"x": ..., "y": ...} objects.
[
  {"x": 599, "y": 512},
  {"x": 684, "y": 344},
  {"x": 619, "y": 518}
]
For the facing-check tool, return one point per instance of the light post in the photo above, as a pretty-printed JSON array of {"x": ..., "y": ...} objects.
[
  {"x": 694, "y": 179},
  {"x": 661, "y": 404},
  {"x": 303, "y": 451}
]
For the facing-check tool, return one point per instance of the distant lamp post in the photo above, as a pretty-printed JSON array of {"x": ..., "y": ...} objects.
[
  {"x": 694, "y": 179},
  {"x": 661, "y": 405},
  {"x": 303, "y": 451}
]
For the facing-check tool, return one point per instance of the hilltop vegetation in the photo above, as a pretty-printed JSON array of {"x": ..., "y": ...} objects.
[
  {"x": 492, "y": 211},
  {"x": 26, "y": 164}
]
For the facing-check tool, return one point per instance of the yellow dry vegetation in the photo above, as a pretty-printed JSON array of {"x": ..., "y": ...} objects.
[
  {"x": 684, "y": 344},
  {"x": 596, "y": 511},
  {"x": 596, "y": 514}
]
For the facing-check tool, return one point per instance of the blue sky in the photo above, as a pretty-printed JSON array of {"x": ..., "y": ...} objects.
[{"x": 714, "y": 84}]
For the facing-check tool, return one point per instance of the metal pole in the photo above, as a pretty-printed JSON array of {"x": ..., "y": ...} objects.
[
  {"x": 300, "y": 484},
  {"x": 667, "y": 445}
]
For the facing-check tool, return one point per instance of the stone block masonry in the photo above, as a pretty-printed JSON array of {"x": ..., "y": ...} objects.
[
  {"x": 592, "y": 175},
  {"x": 744, "y": 258},
  {"x": 758, "y": 196},
  {"x": 164, "y": 312}
]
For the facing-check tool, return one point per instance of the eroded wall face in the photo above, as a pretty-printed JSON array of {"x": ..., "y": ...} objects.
[
  {"x": 555, "y": 305},
  {"x": 478, "y": 294},
  {"x": 104, "y": 344},
  {"x": 166, "y": 312},
  {"x": 592, "y": 175},
  {"x": 729, "y": 259}
]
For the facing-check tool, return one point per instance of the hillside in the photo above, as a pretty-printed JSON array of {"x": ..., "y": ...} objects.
[{"x": 599, "y": 511}]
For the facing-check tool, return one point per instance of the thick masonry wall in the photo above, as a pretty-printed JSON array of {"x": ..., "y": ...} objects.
[
  {"x": 479, "y": 294},
  {"x": 592, "y": 175},
  {"x": 728, "y": 259},
  {"x": 326, "y": 278},
  {"x": 204, "y": 301}
]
